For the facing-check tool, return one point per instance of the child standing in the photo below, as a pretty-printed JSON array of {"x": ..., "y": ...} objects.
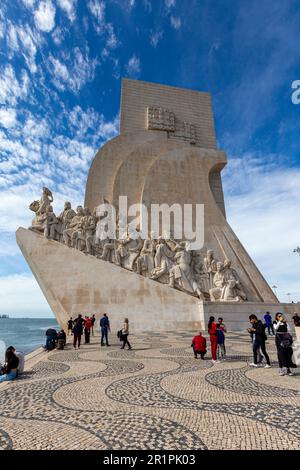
[{"x": 221, "y": 352}]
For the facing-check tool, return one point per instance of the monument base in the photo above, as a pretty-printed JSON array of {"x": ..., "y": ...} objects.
[{"x": 74, "y": 283}]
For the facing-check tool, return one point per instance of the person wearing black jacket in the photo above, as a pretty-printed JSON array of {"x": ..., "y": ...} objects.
[
  {"x": 259, "y": 340},
  {"x": 11, "y": 367}
]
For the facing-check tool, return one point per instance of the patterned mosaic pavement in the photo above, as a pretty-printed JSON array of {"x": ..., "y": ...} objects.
[{"x": 156, "y": 397}]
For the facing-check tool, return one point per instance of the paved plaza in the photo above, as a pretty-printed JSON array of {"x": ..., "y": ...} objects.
[{"x": 156, "y": 396}]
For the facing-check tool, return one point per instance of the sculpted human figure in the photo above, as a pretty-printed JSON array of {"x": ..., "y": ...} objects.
[
  {"x": 182, "y": 271},
  {"x": 75, "y": 225},
  {"x": 49, "y": 222},
  {"x": 122, "y": 251},
  {"x": 145, "y": 261},
  {"x": 38, "y": 221},
  {"x": 201, "y": 275},
  {"x": 230, "y": 292},
  {"x": 63, "y": 221},
  {"x": 109, "y": 247},
  {"x": 136, "y": 250},
  {"x": 230, "y": 274},
  {"x": 84, "y": 236},
  {"x": 210, "y": 266},
  {"x": 163, "y": 259},
  {"x": 45, "y": 201},
  {"x": 219, "y": 283}
]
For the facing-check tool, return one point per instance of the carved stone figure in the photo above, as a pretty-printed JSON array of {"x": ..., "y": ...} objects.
[
  {"x": 69, "y": 235},
  {"x": 163, "y": 259},
  {"x": 122, "y": 251},
  {"x": 145, "y": 261},
  {"x": 63, "y": 221},
  {"x": 182, "y": 271},
  {"x": 230, "y": 274},
  {"x": 38, "y": 221},
  {"x": 136, "y": 250},
  {"x": 49, "y": 222},
  {"x": 45, "y": 201},
  {"x": 210, "y": 266},
  {"x": 230, "y": 292},
  {"x": 109, "y": 247},
  {"x": 219, "y": 282}
]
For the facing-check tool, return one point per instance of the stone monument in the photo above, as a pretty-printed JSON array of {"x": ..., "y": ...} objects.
[{"x": 166, "y": 153}]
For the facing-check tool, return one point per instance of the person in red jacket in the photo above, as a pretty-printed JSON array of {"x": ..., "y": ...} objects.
[
  {"x": 213, "y": 336},
  {"x": 87, "y": 329},
  {"x": 199, "y": 345}
]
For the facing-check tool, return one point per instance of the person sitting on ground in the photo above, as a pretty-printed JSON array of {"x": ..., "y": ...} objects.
[
  {"x": 10, "y": 367},
  {"x": 51, "y": 336},
  {"x": 61, "y": 339},
  {"x": 199, "y": 345},
  {"x": 21, "y": 356}
]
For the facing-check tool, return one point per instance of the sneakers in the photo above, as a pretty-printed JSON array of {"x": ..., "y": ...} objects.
[
  {"x": 251, "y": 364},
  {"x": 281, "y": 372},
  {"x": 215, "y": 362},
  {"x": 290, "y": 373},
  {"x": 267, "y": 366}
]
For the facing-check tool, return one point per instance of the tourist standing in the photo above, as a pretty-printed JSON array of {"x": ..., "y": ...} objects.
[
  {"x": 10, "y": 367},
  {"x": 105, "y": 328},
  {"x": 125, "y": 333},
  {"x": 269, "y": 323},
  {"x": 70, "y": 326},
  {"x": 199, "y": 345},
  {"x": 259, "y": 340},
  {"x": 296, "y": 319},
  {"x": 221, "y": 353},
  {"x": 87, "y": 329},
  {"x": 93, "y": 319},
  {"x": 212, "y": 330},
  {"x": 284, "y": 343},
  {"x": 224, "y": 330},
  {"x": 77, "y": 331}
]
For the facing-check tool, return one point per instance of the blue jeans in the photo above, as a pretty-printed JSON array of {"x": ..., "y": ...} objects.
[
  {"x": 104, "y": 331},
  {"x": 10, "y": 376}
]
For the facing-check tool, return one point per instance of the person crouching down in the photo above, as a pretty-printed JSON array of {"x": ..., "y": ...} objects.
[{"x": 199, "y": 345}]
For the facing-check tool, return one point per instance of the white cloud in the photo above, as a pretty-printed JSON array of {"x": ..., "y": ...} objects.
[
  {"x": 7, "y": 117},
  {"x": 75, "y": 72},
  {"x": 175, "y": 22},
  {"x": 97, "y": 9},
  {"x": 29, "y": 3},
  {"x": 11, "y": 89},
  {"x": 69, "y": 6},
  {"x": 134, "y": 66},
  {"x": 156, "y": 37},
  {"x": 44, "y": 16},
  {"x": 262, "y": 203},
  {"x": 170, "y": 3}
]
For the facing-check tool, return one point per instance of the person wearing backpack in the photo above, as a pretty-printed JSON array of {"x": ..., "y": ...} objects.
[
  {"x": 259, "y": 340},
  {"x": 284, "y": 343}
]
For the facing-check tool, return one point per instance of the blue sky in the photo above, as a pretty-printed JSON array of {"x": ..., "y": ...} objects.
[{"x": 61, "y": 64}]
